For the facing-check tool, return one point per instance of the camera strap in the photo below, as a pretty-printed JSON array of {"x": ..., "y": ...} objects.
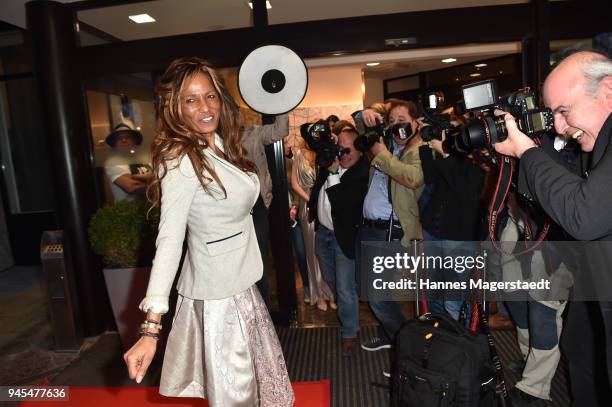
[
  {"x": 504, "y": 180},
  {"x": 390, "y": 228}
]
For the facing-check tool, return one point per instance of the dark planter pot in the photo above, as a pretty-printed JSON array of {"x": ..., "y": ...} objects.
[{"x": 126, "y": 288}]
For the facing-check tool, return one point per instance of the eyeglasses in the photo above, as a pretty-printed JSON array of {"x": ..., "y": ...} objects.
[{"x": 344, "y": 151}]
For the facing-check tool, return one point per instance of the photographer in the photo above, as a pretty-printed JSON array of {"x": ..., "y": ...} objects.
[
  {"x": 579, "y": 92},
  {"x": 336, "y": 200},
  {"x": 451, "y": 217},
  {"x": 390, "y": 210}
]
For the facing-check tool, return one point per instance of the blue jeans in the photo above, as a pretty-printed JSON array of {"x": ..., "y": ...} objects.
[
  {"x": 300, "y": 253},
  {"x": 339, "y": 272},
  {"x": 388, "y": 313},
  {"x": 440, "y": 302},
  {"x": 540, "y": 320}
]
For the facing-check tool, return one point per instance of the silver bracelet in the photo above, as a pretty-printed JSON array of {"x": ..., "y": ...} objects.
[{"x": 150, "y": 324}]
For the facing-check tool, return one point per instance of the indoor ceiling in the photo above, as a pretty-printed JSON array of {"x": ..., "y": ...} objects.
[
  {"x": 409, "y": 62},
  {"x": 174, "y": 17},
  {"x": 190, "y": 16}
]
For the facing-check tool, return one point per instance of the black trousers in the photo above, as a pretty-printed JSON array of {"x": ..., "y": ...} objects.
[
  {"x": 586, "y": 343},
  {"x": 262, "y": 230}
]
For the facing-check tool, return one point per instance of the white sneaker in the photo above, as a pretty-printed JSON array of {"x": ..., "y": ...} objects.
[{"x": 387, "y": 374}]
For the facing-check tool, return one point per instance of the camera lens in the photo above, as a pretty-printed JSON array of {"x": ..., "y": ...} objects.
[
  {"x": 474, "y": 134},
  {"x": 498, "y": 129},
  {"x": 429, "y": 133},
  {"x": 483, "y": 132}
]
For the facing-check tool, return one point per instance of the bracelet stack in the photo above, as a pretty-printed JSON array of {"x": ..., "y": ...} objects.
[
  {"x": 149, "y": 334},
  {"x": 148, "y": 324}
]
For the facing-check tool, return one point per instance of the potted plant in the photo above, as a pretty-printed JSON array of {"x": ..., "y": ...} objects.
[{"x": 124, "y": 235}]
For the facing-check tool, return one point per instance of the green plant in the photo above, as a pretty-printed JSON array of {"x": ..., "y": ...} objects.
[{"x": 123, "y": 234}]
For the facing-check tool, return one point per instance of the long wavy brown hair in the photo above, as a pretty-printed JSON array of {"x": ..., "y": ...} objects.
[{"x": 175, "y": 140}]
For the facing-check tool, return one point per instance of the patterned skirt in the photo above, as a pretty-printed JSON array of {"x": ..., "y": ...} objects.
[{"x": 226, "y": 351}]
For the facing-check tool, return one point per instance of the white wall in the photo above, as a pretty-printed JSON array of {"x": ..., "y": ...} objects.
[
  {"x": 374, "y": 91},
  {"x": 333, "y": 86}
]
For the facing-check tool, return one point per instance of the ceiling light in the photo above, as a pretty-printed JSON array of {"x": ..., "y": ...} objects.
[
  {"x": 373, "y": 63},
  {"x": 449, "y": 60},
  {"x": 475, "y": 74},
  {"x": 268, "y": 5},
  {"x": 142, "y": 18},
  {"x": 480, "y": 65}
]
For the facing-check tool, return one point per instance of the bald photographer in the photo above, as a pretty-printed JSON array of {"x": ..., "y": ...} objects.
[{"x": 579, "y": 93}]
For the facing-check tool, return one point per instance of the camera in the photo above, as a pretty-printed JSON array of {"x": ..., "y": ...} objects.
[
  {"x": 373, "y": 134},
  {"x": 490, "y": 129},
  {"x": 318, "y": 136},
  {"x": 430, "y": 106}
]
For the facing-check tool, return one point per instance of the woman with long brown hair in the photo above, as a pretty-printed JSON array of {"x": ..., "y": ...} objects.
[{"x": 222, "y": 345}]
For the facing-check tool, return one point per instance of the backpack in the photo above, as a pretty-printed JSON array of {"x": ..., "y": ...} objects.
[{"x": 440, "y": 363}]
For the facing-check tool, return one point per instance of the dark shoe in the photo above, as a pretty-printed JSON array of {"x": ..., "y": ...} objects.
[
  {"x": 349, "y": 346},
  {"x": 522, "y": 399},
  {"x": 375, "y": 343},
  {"x": 500, "y": 322}
]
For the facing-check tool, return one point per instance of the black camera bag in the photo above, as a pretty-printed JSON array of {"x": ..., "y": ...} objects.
[{"x": 440, "y": 363}]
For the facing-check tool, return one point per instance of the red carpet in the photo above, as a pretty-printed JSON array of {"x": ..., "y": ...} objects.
[{"x": 307, "y": 394}]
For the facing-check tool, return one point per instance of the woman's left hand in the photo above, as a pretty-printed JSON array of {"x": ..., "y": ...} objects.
[{"x": 139, "y": 357}]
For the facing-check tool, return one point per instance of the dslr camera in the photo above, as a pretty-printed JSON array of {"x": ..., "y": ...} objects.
[
  {"x": 318, "y": 136},
  {"x": 381, "y": 130},
  {"x": 430, "y": 107},
  {"x": 489, "y": 129}
]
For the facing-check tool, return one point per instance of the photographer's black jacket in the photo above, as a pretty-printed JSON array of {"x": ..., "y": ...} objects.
[
  {"x": 579, "y": 205},
  {"x": 582, "y": 206},
  {"x": 346, "y": 200},
  {"x": 454, "y": 209}
]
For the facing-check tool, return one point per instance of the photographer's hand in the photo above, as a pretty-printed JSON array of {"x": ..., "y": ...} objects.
[
  {"x": 436, "y": 145},
  {"x": 517, "y": 142},
  {"x": 333, "y": 168},
  {"x": 420, "y": 122},
  {"x": 370, "y": 117}
]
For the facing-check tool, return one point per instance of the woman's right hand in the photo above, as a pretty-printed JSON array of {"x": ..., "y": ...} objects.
[{"x": 139, "y": 357}]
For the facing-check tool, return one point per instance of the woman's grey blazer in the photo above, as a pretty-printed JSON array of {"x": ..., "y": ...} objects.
[{"x": 222, "y": 254}]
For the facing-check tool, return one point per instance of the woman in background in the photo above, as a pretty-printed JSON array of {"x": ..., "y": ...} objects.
[
  {"x": 222, "y": 345},
  {"x": 303, "y": 176}
]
